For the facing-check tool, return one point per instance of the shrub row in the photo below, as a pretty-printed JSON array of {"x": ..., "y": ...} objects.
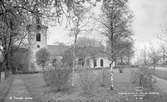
[
  {"x": 88, "y": 81},
  {"x": 58, "y": 79}
]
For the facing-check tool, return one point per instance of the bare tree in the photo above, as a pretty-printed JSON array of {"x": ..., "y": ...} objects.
[
  {"x": 115, "y": 21},
  {"x": 124, "y": 50},
  {"x": 10, "y": 22},
  {"x": 163, "y": 51},
  {"x": 144, "y": 55},
  {"x": 154, "y": 57},
  {"x": 162, "y": 36},
  {"x": 79, "y": 22},
  {"x": 13, "y": 18}
]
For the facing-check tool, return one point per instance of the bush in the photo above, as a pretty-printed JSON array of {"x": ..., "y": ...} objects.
[
  {"x": 32, "y": 67},
  {"x": 58, "y": 79},
  {"x": 88, "y": 83},
  {"x": 42, "y": 57},
  {"x": 143, "y": 78}
]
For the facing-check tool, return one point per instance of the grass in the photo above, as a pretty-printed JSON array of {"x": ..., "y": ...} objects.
[
  {"x": 5, "y": 87},
  {"x": 161, "y": 74},
  {"x": 122, "y": 83},
  {"x": 36, "y": 86},
  {"x": 38, "y": 89}
]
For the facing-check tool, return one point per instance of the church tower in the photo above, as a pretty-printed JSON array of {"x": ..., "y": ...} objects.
[{"x": 37, "y": 39}]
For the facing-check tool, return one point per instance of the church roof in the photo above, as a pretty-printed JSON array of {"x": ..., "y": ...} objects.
[
  {"x": 97, "y": 52},
  {"x": 57, "y": 50},
  {"x": 88, "y": 51}
]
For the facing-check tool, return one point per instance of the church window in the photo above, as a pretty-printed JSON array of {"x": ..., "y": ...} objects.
[
  {"x": 95, "y": 63},
  {"x": 101, "y": 62},
  {"x": 38, "y": 37}
]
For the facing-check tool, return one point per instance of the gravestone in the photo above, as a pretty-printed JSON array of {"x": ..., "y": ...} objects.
[
  {"x": 2, "y": 76},
  {"x": 120, "y": 70}
]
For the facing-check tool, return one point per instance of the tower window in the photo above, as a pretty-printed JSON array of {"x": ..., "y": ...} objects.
[
  {"x": 38, "y": 37},
  {"x": 38, "y": 27},
  {"x": 38, "y": 20}
]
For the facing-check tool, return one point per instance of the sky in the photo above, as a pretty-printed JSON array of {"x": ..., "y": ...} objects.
[
  {"x": 149, "y": 20},
  {"x": 150, "y": 16}
]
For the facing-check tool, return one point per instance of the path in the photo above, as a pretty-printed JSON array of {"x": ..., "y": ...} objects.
[
  {"x": 18, "y": 92},
  {"x": 161, "y": 83},
  {"x": 161, "y": 68}
]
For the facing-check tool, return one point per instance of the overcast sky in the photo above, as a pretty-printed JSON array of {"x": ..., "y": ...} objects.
[
  {"x": 149, "y": 17},
  {"x": 149, "y": 20}
]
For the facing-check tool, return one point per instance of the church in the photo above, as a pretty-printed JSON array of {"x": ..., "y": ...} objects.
[{"x": 37, "y": 39}]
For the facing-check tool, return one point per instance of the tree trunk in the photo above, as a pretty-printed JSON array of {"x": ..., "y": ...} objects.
[
  {"x": 112, "y": 50},
  {"x": 74, "y": 51},
  {"x": 4, "y": 67},
  {"x": 128, "y": 60},
  {"x": 0, "y": 73},
  {"x": 121, "y": 60},
  {"x": 74, "y": 55},
  {"x": 103, "y": 77}
]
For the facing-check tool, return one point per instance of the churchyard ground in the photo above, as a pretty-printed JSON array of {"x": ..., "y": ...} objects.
[{"x": 34, "y": 86}]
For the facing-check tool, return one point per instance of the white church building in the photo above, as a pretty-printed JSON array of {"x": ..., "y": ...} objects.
[{"x": 100, "y": 62}]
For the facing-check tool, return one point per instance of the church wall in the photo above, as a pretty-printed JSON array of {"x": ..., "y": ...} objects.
[
  {"x": 106, "y": 62},
  {"x": 35, "y": 46}
]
